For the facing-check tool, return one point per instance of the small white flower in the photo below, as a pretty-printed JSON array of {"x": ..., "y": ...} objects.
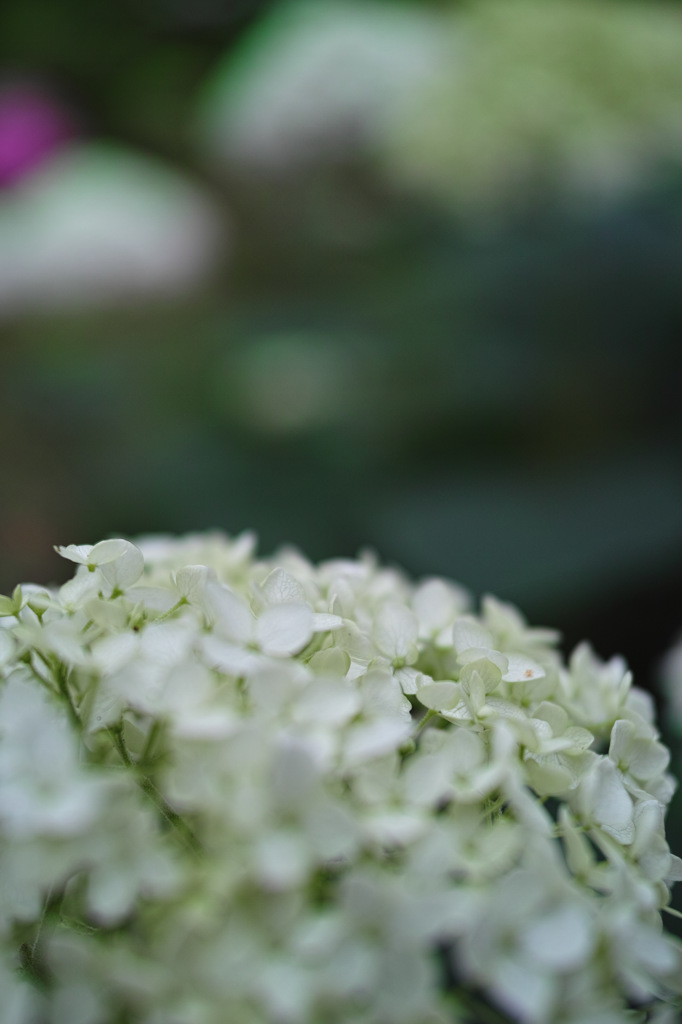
[
  {"x": 640, "y": 758},
  {"x": 119, "y": 562}
]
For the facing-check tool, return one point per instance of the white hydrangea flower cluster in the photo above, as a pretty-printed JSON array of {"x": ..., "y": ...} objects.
[
  {"x": 478, "y": 106},
  {"x": 530, "y": 103},
  {"x": 267, "y": 791}
]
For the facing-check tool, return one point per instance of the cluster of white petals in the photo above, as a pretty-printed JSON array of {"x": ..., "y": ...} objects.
[
  {"x": 271, "y": 792},
  {"x": 474, "y": 105}
]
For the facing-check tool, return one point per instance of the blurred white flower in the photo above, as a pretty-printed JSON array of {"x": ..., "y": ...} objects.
[
  {"x": 576, "y": 98},
  {"x": 671, "y": 678},
  {"x": 319, "y": 82},
  {"x": 100, "y": 225}
]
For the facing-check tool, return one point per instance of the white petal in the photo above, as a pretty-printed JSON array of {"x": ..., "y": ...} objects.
[
  {"x": 6, "y": 648},
  {"x": 323, "y": 622},
  {"x": 108, "y": 551},
  {"x": 522, "y": 669},
  {"x": 374, "y": 739},
  {"x": 284, "y": 629},
  {"x": 327, "y": 703},
  {"x": 232, "y": 617},
  {"x": 230, "y": 658},
  {"x": 557, "y": 718},
  {"x": 578, "y": 851},
  {"x": 436, "y": 603},
  {"x": 397, "y": 828},
  {"x": 655, "y": 950},
  {"x": 330, "y": 662},
  {"x": 410, "y": 679},
  {"x": 609, "y": 803},
  {"x": 190, "y": 581},
  {"x": 483, "y": 671},
  {"x": 649, "y": 815},
  {"x": 675, "y": 869},
  {"x": 167, "y": 643},
  {"x": 154, "y": 599},
  {"x": 61, "y": 637},
  {"x": 622, "y": 735},
  {"x": 351, "y": 639},
  {"x": 112, "y": 616},
  {"x": 294, "y": 777},
  {"x": 209, "y": 724},
  {"x": 111, "y": 653},
  {"x": 523, "y": 993},
  {"x": 331, "y": 830},
  {"x": 439, "y": 696},
  {"x": 282, "y": 588},
  {"x": 648, "y": 758},
  {"x": 500, "y": 661},
  {"x": 281, "y": 860},
  {"x": 120, "y": 562},
  {"x": 382, "y": 696},
  {"x": 466, "y": 752},
  {"x": 396, "y": 631},
  {"x": 467, "y": 633},
  {"x": 79, "y": 553},
  {"x": 476, "y": 693},
  {"x": 427, "y": 780},
  {"x": 561, "y": 940},
  {"x": 76, "y": 591}
]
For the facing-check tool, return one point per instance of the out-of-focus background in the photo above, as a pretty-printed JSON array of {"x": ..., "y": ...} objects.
[{"x": 352, "y": 272}]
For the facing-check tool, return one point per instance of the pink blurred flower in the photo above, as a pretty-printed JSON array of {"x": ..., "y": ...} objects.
[{"x": 33, "y": 125}]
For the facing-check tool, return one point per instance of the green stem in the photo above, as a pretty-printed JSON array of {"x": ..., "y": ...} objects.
[
  {"x": 147, "y": 786},
  {"x": 145, "y": 783},
  {"x": 166, "y": 812},
  {"x": 116, "y": 733},
  {"x": 477, "y": 1010},
  {"x": 41, "y": 922},
  {"x": 41, "y": 679},
  {"x": 430, "y": 714},
  {"x": 61, "y": 677},
  {"x": 493, "y": 807},
  {"x": 173, "y": 610}
]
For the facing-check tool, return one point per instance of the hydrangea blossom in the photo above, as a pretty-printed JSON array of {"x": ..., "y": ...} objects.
[
  {"x": 577, "y": 98},
  {"x": 477, "y": 106},
  {"x": 246, "y": 790},
  {"x": 318, "y": 82},
  {"x": 99, "y": 225}
]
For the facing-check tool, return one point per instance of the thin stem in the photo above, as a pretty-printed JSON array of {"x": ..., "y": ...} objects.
[
  {"x": 41, "y": 679},
  {"x": 425, "y": 720},
  {"x": 173, "y": 610},
  {"x": 147, "y": 786},
  {"x": 61, "y": 677},
  {"x": 41, "y": 922},
  {"x": 173, "y": 819},
  {"x": 482, "y": 1012},
  {"x": 116, "y": 734},
  {"x": 493, "y": 807}
]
